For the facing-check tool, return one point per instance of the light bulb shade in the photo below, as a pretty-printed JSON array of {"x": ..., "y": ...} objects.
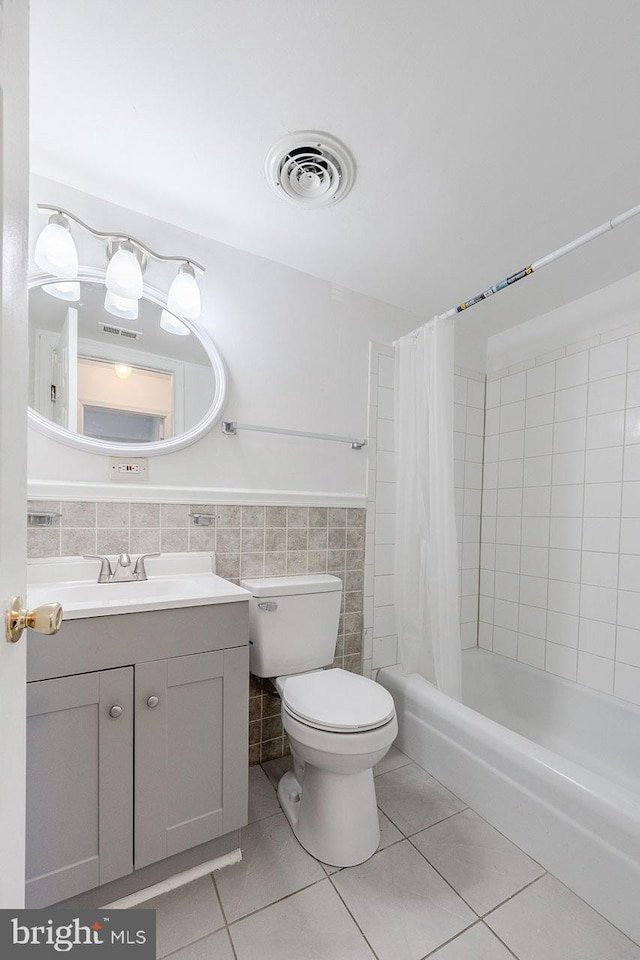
[
  {"x": 184, "y": 294},
  {"x": 171, "y": 324},
  {"x": 56, "y": 252},
  {"x": 65, "y": 290},
  {"x": 121, "y": 307},
  {"x": 122, "y": 370},
  {"x": 124, "y": 274}
]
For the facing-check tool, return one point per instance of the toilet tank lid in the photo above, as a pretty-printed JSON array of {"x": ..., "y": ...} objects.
[{"x": 288, "y": 586}]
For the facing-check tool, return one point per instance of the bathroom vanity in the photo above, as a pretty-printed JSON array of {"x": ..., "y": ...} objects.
[{"x": 136, "y": 733}]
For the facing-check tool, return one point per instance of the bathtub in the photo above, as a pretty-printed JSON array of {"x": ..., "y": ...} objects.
[{"x": 552, "y": 765}]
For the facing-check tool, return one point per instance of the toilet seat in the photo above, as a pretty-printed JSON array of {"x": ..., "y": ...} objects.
[{"x": 337, "y": 701}]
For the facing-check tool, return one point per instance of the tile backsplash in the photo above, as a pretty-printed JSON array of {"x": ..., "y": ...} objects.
[{"x": 248, "y": 541}]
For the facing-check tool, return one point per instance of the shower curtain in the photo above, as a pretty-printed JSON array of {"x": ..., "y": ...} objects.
[{"x": 426, "y": 569}]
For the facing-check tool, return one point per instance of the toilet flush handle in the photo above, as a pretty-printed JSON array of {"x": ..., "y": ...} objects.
[{"x": 269, "y": 606}]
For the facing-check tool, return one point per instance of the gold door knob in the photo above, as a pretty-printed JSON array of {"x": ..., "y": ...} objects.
[{"x": 44, "y": 619}]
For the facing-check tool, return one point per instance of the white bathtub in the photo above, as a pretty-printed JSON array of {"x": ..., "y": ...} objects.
[{"x": 552, "y": 765}]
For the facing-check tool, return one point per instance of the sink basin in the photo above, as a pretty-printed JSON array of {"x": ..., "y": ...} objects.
[{"x": 174, "y": 580}]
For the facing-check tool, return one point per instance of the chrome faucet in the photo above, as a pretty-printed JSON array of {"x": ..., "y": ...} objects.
[{"x": 123, "y": 570}]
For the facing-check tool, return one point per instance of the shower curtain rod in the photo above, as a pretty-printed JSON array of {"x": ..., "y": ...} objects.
[{"x": 543, "y": 262}]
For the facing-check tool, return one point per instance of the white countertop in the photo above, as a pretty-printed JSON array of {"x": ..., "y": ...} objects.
[{"x": 173, "y": 580}]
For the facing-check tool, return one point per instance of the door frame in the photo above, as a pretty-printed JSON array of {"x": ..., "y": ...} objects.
[{"x": 14, "y": 191}]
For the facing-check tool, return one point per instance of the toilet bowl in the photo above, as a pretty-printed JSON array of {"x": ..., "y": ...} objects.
[
  {"x": 329, "y": 798},
  {"x": 339, "y": 724}
]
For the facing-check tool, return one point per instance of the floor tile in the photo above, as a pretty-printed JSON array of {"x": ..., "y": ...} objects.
[
  {"x": 274, "y": 769},
  {"x": 273, "y": 866},
  {"x": 217, "y": 946},
  {"x": 186, "y": 914},
  {"x": 311, "y": 925},
  {"x": 480, "y": 864},
  {"x": 549, "y": 922},
  {"x": 478, "y": 943},
  {"x": 263, "y": 801},
  {"x": 402, "y": 906},
  {"x": 391, "y": 760},
  {"x": 389, "y": 833},
  {"x": 413, "y": 800}
]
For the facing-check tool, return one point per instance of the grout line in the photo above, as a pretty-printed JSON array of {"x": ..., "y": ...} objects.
[
  {"x": 442, "y": 877},
  {"x": 517, "y": 893},
  {"x": 330, "y": 879},
  {"x": 436, "y": 822},
  {"x": 499, "y": 939},
  {"x": 287, "y": 896},
  {"x": 215, "y": 887},
  {"x": 233, "y": 948},
  {"x": 452, "y": 939}
]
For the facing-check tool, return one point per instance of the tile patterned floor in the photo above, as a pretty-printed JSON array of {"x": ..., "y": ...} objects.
[{"x": 444, "y": 885}]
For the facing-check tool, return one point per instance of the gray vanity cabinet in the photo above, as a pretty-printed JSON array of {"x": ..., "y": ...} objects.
[
  {"x": 136, "y": 744},
  {"x": 190, "y": 713},
  {"x": 79, "y": 783}
]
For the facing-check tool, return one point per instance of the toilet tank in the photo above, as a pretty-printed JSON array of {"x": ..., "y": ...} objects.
[{"x": 293, "y": 623}]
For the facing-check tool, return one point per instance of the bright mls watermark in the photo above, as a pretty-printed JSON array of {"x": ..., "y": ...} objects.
[{"x": 113, "y": 934}]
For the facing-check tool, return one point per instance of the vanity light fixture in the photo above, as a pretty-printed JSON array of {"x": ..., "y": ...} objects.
[
  {"x": 121, "y": 307},
  {"x": 124, "y": 273},
  {"x": 171, "y": 324},
  {"x": 64, "y": 290},
  {"x": 122, "y": 370},
  {"x": 56, "y": 253},
  {"x": 184, "y": 293}
]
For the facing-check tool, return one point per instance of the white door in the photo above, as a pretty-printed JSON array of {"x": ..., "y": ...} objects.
[
  {"x": 14, "y": 165},
  {"x": 64, "y": 365}
]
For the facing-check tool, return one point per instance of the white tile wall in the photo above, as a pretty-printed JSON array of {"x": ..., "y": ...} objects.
[
  {"x": 469, "y": 425},
  {"x": 380, "y": 638},
  {"x": 560, "y": 552}
]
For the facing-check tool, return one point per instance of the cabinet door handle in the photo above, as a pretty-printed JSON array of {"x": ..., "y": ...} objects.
[
  {"x": 153, "y": 702},
  {"x": 116, "y": 711}
]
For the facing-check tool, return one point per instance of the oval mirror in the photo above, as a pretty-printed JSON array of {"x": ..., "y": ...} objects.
[{"x": 118, "y": 384}]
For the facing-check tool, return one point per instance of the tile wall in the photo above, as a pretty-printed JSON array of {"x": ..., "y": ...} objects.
[
  {"x": 560, "y": 560},
  {"x": 468, "y": 442},
  {"x": 380, "y": 638},
  {"x": 248, "y": 541}
]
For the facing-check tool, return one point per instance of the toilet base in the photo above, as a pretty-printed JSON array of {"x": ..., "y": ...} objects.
[{"x": 336, "y": 816}]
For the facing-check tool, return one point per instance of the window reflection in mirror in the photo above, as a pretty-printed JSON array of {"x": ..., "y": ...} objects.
[{"x": 120, "y": 381}]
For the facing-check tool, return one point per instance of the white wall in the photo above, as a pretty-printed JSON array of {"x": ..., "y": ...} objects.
[{"x": 296, "y": 350}]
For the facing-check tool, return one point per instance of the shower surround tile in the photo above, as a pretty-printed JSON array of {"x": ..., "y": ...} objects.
[
  {"x": 248, "y": 541},
  {"x": 578, "y": 517}
]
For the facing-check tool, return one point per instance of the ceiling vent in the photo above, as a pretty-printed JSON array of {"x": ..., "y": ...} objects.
[
  {"x": 119, "y": 331},
  {"x": 311, "y": 169}
]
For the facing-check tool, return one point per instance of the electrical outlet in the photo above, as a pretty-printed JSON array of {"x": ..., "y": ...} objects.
[{"x": 132, "y": 468}]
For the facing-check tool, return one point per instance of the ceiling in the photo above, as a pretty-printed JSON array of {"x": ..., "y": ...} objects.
[{"x": 485, "y": 134}]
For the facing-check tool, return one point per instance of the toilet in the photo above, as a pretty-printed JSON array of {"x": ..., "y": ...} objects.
[{"x": 339, "y": 724}]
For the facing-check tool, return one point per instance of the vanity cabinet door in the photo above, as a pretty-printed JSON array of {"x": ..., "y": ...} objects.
[
  {"x": 79, "y": 783},
  {"x": 191, "y": 751}
]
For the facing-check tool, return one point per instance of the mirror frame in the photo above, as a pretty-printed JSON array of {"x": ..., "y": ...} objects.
[{"x": 153, "y": 448}]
